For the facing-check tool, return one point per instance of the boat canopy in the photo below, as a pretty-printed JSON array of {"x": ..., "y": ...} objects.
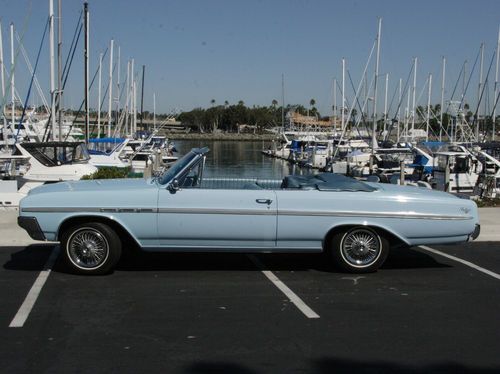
[{"x": 57, "y": 153}]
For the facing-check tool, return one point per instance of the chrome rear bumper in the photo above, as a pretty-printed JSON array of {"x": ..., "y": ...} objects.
[{"x": 475, "y": 233}]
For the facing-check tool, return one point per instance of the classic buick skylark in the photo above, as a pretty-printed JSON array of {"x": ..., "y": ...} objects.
[{"x": 355, "y": 223}]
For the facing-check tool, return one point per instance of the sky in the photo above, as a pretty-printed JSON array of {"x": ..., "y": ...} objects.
[{"x": 232, "y": 50}]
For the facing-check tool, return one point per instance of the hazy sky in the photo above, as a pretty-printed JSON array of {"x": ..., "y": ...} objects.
[{"x": 195, "y": 51}]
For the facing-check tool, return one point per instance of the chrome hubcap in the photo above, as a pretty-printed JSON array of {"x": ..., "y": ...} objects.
[
  {"x": 361, "y": 247},
  {"x": 87, "y": 248}
]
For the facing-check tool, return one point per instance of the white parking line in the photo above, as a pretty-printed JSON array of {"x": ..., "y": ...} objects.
[
  {"x": 465, "y": 262},
  {"x": 297, "y": 301},
  {"x": 30, "y": 300}
]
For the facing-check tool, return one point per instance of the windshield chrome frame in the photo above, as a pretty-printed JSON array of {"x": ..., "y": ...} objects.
[{"x": 198, "y": 153}]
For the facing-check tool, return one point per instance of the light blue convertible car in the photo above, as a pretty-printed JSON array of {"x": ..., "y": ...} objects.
[{"x": 355, "y": 223}]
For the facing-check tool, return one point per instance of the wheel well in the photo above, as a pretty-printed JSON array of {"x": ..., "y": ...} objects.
[
  {"x": 393, "y": 240},
  {"x": 123, "y": 234}
]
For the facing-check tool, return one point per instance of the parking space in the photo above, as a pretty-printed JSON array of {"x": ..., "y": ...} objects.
[
  {"x": 21, "y": 266},
  {"x": 484, "y": 254},
  {"x": 200, "y": 313}
]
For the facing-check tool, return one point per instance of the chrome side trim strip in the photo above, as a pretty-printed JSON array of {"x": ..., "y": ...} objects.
[
  {"x": 240, "y": 212},
  {"x": 398, "y": 215},
  {"x": 88, "y": 210},
  {"x": 257, "y": 212},
  {"x": 59, "y": 210}
]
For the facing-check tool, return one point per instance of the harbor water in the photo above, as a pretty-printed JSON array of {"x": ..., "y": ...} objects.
[{"x": 240, "y": 159}]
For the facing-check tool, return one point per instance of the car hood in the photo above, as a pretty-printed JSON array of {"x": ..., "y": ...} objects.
[{"x": 95, "y": 185}]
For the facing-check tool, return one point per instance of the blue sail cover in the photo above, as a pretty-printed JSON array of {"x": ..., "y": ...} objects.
[
  {"x": 107, "y": 140},
  {"x": 103, "y": 146}
]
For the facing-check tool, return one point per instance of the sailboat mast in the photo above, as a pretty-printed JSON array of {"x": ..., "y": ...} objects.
[
  {"x": 154, "y": 111},
  {"x": 443, "y": 76},
  {"x": 2, "y": 78},
  {"x": 86, "y": 68},
  {"x": 407, "y": 113},
  {"x": 59, "y": 66},
  {"x": 343, "y": 96},
  {"x": 385, "y": 100},
  {"x": 12, "y": 87},
  {"x": 414, "y": 93},
  {"x": 52, "y": 74},
  {"x": 132, "y": 98},
  {"x": 335, "y": 103},
  {"x": 110, "y": 87},
  {"x": 283, "y": 102},
  {"x": 428, "y": 108},
  {"x": 142, "y": 96},
  {"x": 399, "y": 106},
  {"x": 496, "y": 88},
  {"x": 2, "y": 75},
  {"x": 118, "y": 82},
  {"x": 127, "y": 100},
  {"x": 99, "y": 97},
  {"x": 375, "y": 86},
  {"x": 480, "y": 90},
  {"x": 134, "y": 85}
]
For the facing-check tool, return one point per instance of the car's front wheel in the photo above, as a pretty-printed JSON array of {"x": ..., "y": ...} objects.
[
  {"x": 91, "y": 248},
  {"x": 359, "y": 249}
]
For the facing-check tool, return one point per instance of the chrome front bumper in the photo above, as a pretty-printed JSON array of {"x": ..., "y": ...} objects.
[{"x": 30, "y": 224}]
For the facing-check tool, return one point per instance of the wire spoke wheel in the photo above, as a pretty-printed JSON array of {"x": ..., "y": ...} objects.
[
  {"x": 360, "y": 247},
  {"x": 87, "y": 248}
]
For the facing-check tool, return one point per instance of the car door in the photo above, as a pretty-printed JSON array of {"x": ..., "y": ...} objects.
[{"x": 218, "y": 220}]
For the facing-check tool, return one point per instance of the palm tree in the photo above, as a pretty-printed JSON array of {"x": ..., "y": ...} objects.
[
  {"x": 275, "y": 102},
  {"x": 311, "y": 103},
  {"x": 241, "y": 102},
  {"x": 212, "y": 102}
]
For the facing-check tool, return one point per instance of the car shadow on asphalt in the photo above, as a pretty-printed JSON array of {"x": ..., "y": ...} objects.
[
  {"x": 399, "y": 258},
  {"x": 325, "y": 365},
  {"x": 329, "y": 365},
  {"x": 411, "y": 258},
  {"x": 30, "y": 258},
  {"x": 34, "y": 257}
]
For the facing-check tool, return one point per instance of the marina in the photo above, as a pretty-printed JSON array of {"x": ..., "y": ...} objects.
[
  {"x": 247, "y": 187},
  {"x": 445, "y": 146}
]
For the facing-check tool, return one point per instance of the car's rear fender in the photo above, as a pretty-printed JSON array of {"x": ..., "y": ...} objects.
[{"x": 394, "y": 238}]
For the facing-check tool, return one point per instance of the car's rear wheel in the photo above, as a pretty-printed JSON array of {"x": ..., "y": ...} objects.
[
  {"x": 359, "y": 249},
  {"x": 91, "y": 248}
]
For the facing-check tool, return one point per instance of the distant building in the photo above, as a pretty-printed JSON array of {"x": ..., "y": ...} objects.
[{"x": 297, "y": 120}]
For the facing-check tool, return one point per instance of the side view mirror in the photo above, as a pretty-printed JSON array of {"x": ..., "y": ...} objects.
[{"x": 173, "y": 186}]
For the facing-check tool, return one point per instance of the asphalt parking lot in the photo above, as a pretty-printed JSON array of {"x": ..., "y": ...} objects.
[{"x": 211, "y": 313}]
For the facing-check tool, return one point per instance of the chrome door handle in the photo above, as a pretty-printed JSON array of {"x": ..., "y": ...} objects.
[{"x": 264, "y": 201}]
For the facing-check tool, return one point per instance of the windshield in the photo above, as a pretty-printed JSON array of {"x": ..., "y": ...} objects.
[{"x": 180, "y": 165}]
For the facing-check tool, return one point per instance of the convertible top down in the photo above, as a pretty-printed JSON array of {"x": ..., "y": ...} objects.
[{"x": 355, "y": 223}]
